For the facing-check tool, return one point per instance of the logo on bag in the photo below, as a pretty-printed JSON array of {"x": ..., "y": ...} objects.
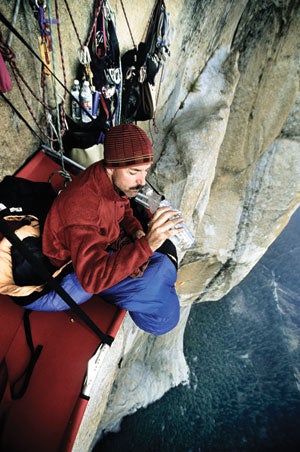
[{"x": 15, "y": 209}]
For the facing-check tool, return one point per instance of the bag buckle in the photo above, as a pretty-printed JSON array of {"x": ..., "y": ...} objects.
[{"x": 142, "y": 74}]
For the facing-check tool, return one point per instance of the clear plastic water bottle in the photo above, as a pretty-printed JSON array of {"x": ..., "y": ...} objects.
[
  {"x": 149, "y": 198},
  {"x": 86, "y": 101},
  {"x": 183, "y": 239},
  {"x": 152, "y": 200},
  {"x": 75, "y": 107}
]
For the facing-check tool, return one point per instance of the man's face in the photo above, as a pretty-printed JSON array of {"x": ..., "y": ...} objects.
[{"x": 129, "y": 180}]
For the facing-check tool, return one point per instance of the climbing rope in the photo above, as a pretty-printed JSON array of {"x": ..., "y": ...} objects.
[
  {"x": 60, "y": 48},
  {"x": 14, "y": 20},
  {"x": 9, "y": 56},
  {"x": 128, "y": 26},
  {"x": 20, "y": 116},
  {"x": 63, "y": 171},
  {"x": 73, "y": 23},
  {"x": 83, "y": 51}
]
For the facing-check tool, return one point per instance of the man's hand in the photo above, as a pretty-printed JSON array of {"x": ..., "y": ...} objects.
[
  {"x": 162, "y": 226},
  {"x": 139, "y": 234}
]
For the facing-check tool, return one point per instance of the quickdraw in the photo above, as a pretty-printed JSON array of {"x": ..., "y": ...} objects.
[{"x": 44, "y": 40}]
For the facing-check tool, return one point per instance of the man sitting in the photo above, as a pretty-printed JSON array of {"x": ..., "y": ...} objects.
[{"x": 86, "y": 223}]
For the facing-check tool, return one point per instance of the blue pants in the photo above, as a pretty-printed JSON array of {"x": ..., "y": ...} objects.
[{"x": 151, "y": 300}]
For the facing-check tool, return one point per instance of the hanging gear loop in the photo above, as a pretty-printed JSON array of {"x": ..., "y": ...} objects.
[{"x": 121, "y": 93}]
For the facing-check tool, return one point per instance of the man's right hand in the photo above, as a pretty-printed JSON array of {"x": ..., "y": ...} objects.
[{"x": 162, "y": 226}]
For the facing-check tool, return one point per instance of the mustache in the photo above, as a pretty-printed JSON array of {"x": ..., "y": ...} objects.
[{"x": 137, "y": 187}]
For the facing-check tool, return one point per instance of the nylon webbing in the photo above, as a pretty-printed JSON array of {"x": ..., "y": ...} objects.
[
  {"x": 21, "y": 117},
  {"x": 19, "y": 387}
]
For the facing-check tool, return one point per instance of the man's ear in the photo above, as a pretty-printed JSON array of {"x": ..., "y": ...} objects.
[{"x": 109, "y": 172}]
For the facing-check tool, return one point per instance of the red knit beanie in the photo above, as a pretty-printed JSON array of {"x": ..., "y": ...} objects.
[{"x": 127, "y": 145}]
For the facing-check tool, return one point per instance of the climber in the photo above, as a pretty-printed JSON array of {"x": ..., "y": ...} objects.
[{"x": 92, "y": 224}]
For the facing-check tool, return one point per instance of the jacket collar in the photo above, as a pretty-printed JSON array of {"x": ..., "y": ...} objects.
[{"x": 107, "y": 187}]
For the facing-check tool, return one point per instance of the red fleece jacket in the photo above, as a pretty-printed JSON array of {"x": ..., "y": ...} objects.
[{"x": 83, "y": 221}]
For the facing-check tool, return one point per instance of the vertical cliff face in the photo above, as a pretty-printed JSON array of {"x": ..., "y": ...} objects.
[
  {"x": 226, "y": 150},
  {"x": 227, "y": 147},
  {"x": 230, "y": 153}
]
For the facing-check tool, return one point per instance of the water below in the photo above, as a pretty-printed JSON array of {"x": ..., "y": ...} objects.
[{"x": 244, "y": 358}]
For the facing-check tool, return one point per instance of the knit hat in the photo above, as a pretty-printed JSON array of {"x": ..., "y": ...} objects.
[{"x": 127, "y": 145}]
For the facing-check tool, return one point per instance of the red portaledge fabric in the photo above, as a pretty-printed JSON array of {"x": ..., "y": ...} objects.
[{"x": 49, "y": 414}]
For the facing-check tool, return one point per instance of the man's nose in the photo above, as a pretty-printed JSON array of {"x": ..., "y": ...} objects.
[{"x": 141, "y": 179}]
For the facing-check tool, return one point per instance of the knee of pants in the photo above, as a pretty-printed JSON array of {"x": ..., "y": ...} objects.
[
  {"x": 147, "y": 293},
  {"x": 151, "y": 300},
  {"x": 159, "y": 324}
]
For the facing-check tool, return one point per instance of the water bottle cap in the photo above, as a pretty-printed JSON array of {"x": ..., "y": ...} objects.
[
  {"x": 76, "y": 82},
  {"x": 86, "y": 83}
]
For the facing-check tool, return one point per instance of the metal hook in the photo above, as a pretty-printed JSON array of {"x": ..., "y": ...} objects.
[{"x": 40, "y": 3}]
